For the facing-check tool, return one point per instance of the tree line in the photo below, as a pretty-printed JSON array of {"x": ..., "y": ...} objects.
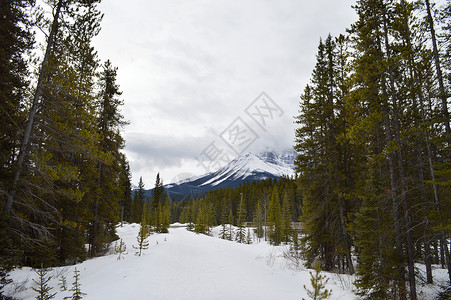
[
  {"x": 269, "y": 205},
  {"x": 374, "y": 141},
  {"x": 63, "y": 177}
]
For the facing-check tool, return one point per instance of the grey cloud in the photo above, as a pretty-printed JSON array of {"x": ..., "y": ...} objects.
[{"x": 189, "y": 68}]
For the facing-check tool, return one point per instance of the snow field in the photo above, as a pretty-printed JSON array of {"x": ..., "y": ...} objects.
[{"x": 185, "y": 265}]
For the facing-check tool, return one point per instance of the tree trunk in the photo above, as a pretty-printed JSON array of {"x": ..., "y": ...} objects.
[
  {"x": 438, "y": 70},
  {"x": 427, "y": 261},
  {"x": 349, "y": 263},
  {"x": 445, "y": 257},
  {"x": 32, "y": 114},
  {"x": 403, "y": 194}
]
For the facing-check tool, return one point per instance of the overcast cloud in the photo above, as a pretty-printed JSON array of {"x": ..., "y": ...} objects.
[{"x": 188, "y": 69}]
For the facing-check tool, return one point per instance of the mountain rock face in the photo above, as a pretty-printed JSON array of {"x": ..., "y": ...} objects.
[{"x": 244, "y": 168}]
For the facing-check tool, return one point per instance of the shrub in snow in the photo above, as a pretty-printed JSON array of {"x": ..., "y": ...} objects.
[{"x": 120, "y": 249}]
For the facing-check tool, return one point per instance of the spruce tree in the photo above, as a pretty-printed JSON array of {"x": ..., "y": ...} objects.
[
  {"x": 160, "y": 215},
  {"x": 259, "y": 221},
  {"x": 16, "y": 41},
  {"x": 143, "y": 236},
  {"x": 223, "y": 234},
  {"x": 77, "y": 294},
  {"x": 240, "y": 236},
  {"x": 120, "y": 249},
  {"x": 324, "y": 167},
  {"x": 138, "y": 202},
  {"x": 248, "y": 236},
  {"x": 205, "y": 218},
  {"x": 125, "y": 181},
  {"x": 318, "y": 283},
  {"x": 43, "y": 289},
  {"x": 286, "y": 218},
  {"x": 230, "y": 235},
  {"x": 106, "y": 209},
  {"x": 275, "y": 218}
]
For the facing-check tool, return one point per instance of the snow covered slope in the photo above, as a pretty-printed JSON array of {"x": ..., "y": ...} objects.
[
  {"x": 246, "y": 167},
  {"x": 182, "y": 265}
]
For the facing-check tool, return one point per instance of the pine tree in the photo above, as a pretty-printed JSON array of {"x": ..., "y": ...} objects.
[
  {"x": 16, "y": 41},
  {"x": 324, "y": 167},
  {"x": 204, "y": 218},
  {"x": 43, "y": 289},
  {"x": 143, "y": 235},
  {"x": 275, "y": 218},
  {"x": 138, "y": 201},
  {"x": 159, "y": 216},
  {"x": 106, "y": 209},
  {"x": 230, "y": 221},
  {"x": 125, "y": 180},
  {"x": 165, "y": 214},
  {"x": 374, "y": 240},
  {"x": 248, "y": 237},
  {"x": 286, "y": 218},
  {"x": 259, "y": 221},
  {"x": 223, "y": 234},
  {"x": 76, "y": 287},
  {"x": 240, "y": 236},
  {"x": 120, "y": 249},
  {"x": 318, "y": 284},
  {"x": 62, "y": 283}
]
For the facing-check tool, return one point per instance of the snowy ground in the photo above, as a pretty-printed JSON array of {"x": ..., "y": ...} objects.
[{"x": 185, "y": 265}]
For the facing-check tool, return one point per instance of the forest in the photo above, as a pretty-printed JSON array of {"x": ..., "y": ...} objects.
[
  {"x": 373, "y": 139},
  {"x": 63, "y": 177},
  {"x": 372, "y": 189}
]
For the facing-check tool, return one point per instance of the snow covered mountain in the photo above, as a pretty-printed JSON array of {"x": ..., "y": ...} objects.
[{"x": 244, "y": 168}]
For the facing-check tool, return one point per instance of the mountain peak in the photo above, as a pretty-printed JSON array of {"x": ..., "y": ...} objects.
[{"x": 243, "y": 168}]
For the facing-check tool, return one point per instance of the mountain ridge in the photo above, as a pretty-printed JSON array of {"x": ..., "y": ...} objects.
[{"x": 244, "y": 168}]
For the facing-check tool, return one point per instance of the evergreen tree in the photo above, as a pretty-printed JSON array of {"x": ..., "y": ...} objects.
[
  {"x": 165, "y": 214},
  {"x": 230, "y": 221},
  {"x": 43, "y": 289},
  {"x": 16, "y": 41},
  {"x": 62, "y": 283},
  {"x": 318, "y": 284},
  {"x": 159, "y": 216},
  {"x": 324, "y": 165},
  {"x": 259, "y": 221},
  {"x": 240, "y": 236},
  {"x": 286, "y": 218},
  {"x": 125, "y": 180},
  {"x": 76, "y": 287},
  {"x": 374, "y": 240},
  {"x": 138, "y": 202},
  {"x": 224, "y": 233},
  {"x": 205, "y": 218},
  {"x": 120, "y": 249},
  {"x": 106, "y": 209},
  {"x": 275, "y": 218},
  {"x": 143, "y": 236},
  {"x": 248, "y": 237},
  {"x": 61, "y": 174}
]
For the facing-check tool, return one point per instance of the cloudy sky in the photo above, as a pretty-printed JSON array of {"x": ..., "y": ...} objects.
[{"x": 204, "y": 81}]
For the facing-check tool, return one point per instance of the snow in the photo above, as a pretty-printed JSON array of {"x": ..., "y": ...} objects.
[
  {"x": 246, "y": 165},
  {"x": 185, "y": 265}
]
